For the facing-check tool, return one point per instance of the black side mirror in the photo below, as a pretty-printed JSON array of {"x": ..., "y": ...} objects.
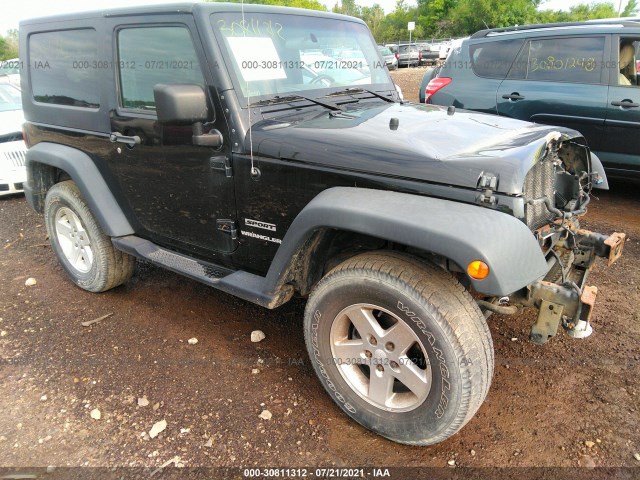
[
  {"x": 185, "y": 105},
  {"x": 180, "y": 104}
]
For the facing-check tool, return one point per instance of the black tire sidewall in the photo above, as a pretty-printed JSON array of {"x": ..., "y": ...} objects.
[
  {"x": 439, "y": 409},
  {"x": 57, "y": 198}
]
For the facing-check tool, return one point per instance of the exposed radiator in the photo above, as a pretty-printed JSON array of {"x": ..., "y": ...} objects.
[{"x": 539, "y": 182}]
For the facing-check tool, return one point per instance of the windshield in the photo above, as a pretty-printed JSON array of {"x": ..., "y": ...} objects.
[
  {"x": 276, "y": 54},
  {"x": 385, "y": 51},
  {"x": 10, "y": 98}
]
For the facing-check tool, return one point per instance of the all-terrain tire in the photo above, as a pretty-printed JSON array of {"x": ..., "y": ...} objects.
[
  {"x": 84, "y": 251},
  {"x": 386, "y": 294}
]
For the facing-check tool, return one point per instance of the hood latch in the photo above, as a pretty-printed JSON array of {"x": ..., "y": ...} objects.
[{"x": 488, "y": 183}]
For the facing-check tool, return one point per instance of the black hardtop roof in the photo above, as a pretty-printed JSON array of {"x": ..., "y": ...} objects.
[
  {"x": 624, "y": 22},
  {"x": 181, "y": 8}
]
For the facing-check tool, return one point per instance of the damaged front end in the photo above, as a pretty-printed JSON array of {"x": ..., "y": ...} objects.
[
  {"x": 563, "y": 296},
  {"x": 556, "y": 193}
]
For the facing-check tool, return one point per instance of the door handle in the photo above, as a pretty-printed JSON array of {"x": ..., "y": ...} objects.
[
  {"x": 513, "y": 96},
  {"x": 128, "y": 141},
  {"x": 626, "y": 103}
]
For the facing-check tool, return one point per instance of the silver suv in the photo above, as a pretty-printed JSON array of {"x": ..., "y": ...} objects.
[{"x": 408, "y": 55}]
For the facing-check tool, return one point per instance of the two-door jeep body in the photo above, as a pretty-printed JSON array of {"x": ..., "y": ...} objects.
[{"x": 266, "y": 152}]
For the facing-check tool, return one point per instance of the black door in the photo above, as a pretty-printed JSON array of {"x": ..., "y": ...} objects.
[
  {"x": 623, "y": 109},
  {"x": 177, "y": 192},
  {"x": 560, "y": 81}
]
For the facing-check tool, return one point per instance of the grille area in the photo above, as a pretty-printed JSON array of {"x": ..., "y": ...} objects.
[
  {"x": 15, "y": 157},
  {"x": 539, "y": 182}
]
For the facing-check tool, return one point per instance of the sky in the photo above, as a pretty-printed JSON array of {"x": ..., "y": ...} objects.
[{"x": 37, "y": 8}]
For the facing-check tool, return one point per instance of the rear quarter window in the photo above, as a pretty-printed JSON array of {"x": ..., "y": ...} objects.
[
  {"x": 63, "y": 68},
  {"x": 494, "y": 59},
  {"x": 569, "y": 60}
]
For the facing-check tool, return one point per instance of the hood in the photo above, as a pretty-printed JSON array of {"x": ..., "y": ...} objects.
[
  {"x": 11, "y": 121},
  {"x": 428, "y": 144}
]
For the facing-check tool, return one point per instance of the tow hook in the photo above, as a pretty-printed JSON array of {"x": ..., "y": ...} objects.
[
  {"x": 564, "y": 305},
  {"x": 615, "y": 242},
  {"x": 609, "y": 247}
]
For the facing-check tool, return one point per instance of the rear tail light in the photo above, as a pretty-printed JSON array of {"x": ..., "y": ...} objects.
[
  {"x": 434, "y": 85},
  {"x": 419, "y": 55},
  {"x": 397, "y": 56}
]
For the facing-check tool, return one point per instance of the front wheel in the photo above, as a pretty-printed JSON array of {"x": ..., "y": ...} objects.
[{"x": 400, "y": 346}]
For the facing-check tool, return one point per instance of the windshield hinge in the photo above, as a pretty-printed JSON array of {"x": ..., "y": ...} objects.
[
  {"x": 487, "y": 183},
  {"x": 221, "y": 163},
  {"x": 228, "y": 227}
]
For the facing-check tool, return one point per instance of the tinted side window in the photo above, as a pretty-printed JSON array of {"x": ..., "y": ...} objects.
[
  {"x": 493, "y": 59},
  {"x": 63, "y": 68},
  {"x": 153, "y": 55},
  {"x": 572, "y": 60},
  {"x": 627, "y": 62}
]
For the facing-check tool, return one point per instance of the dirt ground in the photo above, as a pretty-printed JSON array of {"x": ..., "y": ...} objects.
[
  {"x": 408, "y": 79},
  {"x": 569, "y": 403}
]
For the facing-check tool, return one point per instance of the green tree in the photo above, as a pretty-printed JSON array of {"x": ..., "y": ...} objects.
[
  {"x": 309, "y": 4},
  {"x": 394, "y": 26},
  {"x": 433, "y": 16},
  {"x": 592, "y": 11},
  {"x": 631, "y": 9},
  {"x": 373, "y": 16},
  {"x": 552, "y": 16},
  {"x": 347, "y": 7},
  {"x": 9, "y": 45},
  {"x": 474, "y": 15},
  {"x": 3, "y": 49}
]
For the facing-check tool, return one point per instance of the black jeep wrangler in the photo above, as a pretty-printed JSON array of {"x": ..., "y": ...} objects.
[{"x": 228, "y": 143}]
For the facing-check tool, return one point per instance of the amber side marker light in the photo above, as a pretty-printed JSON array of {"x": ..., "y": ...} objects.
[{"x": 478, "y": 270}]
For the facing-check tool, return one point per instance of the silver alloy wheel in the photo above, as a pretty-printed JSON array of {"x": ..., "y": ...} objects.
[
  {"x": 73, "y": 240},
  {"x": 380, "y": 357}
]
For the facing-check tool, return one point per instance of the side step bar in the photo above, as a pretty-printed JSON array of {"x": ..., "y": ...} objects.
[{"x": 239, "y": 283}]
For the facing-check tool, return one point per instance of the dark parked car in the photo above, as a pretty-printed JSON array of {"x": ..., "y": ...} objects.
[
  {"x": 577, "y": 75},
  {"x": 429, "y": 53},
  {"x": 218, "y": 141}
]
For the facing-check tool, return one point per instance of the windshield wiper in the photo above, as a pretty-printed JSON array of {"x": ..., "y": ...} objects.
[
  {"x": 292, "y": 98},
  {"x": 363, "y": 90}
]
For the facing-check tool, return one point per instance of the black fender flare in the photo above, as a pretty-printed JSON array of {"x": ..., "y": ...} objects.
[
  {"x": 458, "y": 231},
  {"x": 83, "y": 171}
]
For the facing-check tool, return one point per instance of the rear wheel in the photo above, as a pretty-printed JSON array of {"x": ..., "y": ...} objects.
[
  {"x": 400, "y": 346},
  {"x": 83, "y": 249}
]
